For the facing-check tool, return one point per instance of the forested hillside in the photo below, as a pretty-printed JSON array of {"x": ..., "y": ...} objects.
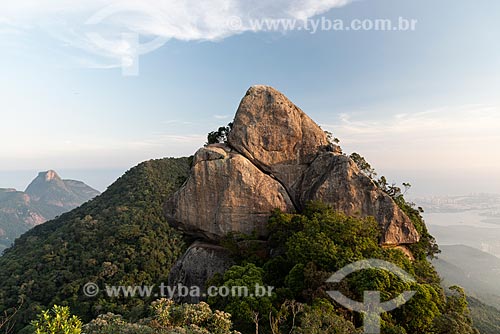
[{"x": 120, "y": 237}]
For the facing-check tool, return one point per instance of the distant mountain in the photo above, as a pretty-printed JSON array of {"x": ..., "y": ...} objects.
[
  {"x": 47, "y": 197},
  {"x": 17, "y": 215}
]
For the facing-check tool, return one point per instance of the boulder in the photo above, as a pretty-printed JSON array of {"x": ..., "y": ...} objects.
[
  {"x": 198, "y": 265},
  {"x": 225, "y": 193},
  {"x": 336, "y": 180}
]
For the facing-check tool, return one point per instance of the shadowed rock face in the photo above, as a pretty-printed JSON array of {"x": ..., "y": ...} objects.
[
  {"x": 336, "y": 179},
  {"x": 277, "y": 157},
  {"x": 199, "y": 264}
]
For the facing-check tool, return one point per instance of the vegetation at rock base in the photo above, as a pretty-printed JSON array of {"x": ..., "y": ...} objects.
[
  {"x": 164, "y": 317},
  {"x": 119, "y": 238},
  {"x": 307, "y": 249}
]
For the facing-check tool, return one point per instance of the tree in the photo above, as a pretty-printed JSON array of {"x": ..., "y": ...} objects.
[
  {"x": 244, "y": 307},
  {"x": 331, "y": 139},
  {"x": 6, "y": 321},
  {"x": 57, "y": 321},
  {"x": 322, "y": 318},
  {"x": 363, "y": 165},
  {"x": 289, "y": 309},
  {"x": 456, "y": 318},
  {"x": 219, "y": 136}
]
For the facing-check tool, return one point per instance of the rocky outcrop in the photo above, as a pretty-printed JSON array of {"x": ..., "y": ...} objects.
[
  {"x": 225, "y": 193},
  {"x": 277, "y": 157},
  {"x": 198, "y": 265},
  {"x": 336, "y": 179}
]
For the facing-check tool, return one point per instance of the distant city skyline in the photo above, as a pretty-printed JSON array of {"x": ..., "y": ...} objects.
[{"x": 422, "y": 106}]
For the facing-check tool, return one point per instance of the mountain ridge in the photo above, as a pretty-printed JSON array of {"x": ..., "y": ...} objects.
[{"x": 473, "y": 269}]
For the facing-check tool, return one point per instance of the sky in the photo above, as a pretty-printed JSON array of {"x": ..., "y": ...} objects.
[{"x": 92, "y": 88}]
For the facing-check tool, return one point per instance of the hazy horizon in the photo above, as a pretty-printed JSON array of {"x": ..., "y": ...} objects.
[
  {"x": 423, "y": 184},
  {"x": 422, "y": 106}
]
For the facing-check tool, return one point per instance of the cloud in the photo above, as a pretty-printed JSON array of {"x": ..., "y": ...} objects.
[
  {"x": 467, "y": 121},
  {"x": 97, "y": 27},
  {"x": 80, "y": 151},
  {"x": 442, "y": 138},
  {"x": 222, "y": 116}
]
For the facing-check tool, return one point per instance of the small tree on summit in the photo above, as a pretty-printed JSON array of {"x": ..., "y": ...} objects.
[
  {"x": 331, "y": 139},
  {"x": 219, "y": 136}
]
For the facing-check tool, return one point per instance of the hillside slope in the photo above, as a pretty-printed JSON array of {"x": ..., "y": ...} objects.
[{"x": 119, "y": 237}]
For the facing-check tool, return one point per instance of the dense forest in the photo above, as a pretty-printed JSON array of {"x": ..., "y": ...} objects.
[{"x": 120, "y": 237}]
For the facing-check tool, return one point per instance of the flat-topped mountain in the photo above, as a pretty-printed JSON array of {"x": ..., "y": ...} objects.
[
  {"x": 277, "y": 157},
  {"x": 46, "y": 197}
]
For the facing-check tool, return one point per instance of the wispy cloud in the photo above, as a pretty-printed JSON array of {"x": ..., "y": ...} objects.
[
  {"x": 222, "y": 116},
  {"x": 177, "y": 122},
  {"x": 82, "y": 152},
  {"x": 445, "y": 137},
  {"x": 441, "y": 122},
  {"x": 76, "y": 24}
]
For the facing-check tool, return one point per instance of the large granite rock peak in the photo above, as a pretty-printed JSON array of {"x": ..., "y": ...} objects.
[
  {"x": 276, "y": 135},
  {"x": 277, "y": 157}
]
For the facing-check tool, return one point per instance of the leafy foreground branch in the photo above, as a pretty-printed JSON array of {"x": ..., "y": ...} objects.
[{"x": 166, "y": 318}]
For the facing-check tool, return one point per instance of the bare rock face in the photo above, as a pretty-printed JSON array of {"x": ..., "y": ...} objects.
[
  {"x": 277, "y": 157},
  {"x": 336, "y": 179},
  {"x": 225, "y": 193},
  {"x": 276, "y": 135},
  {"x": 199, "y": 264}
]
